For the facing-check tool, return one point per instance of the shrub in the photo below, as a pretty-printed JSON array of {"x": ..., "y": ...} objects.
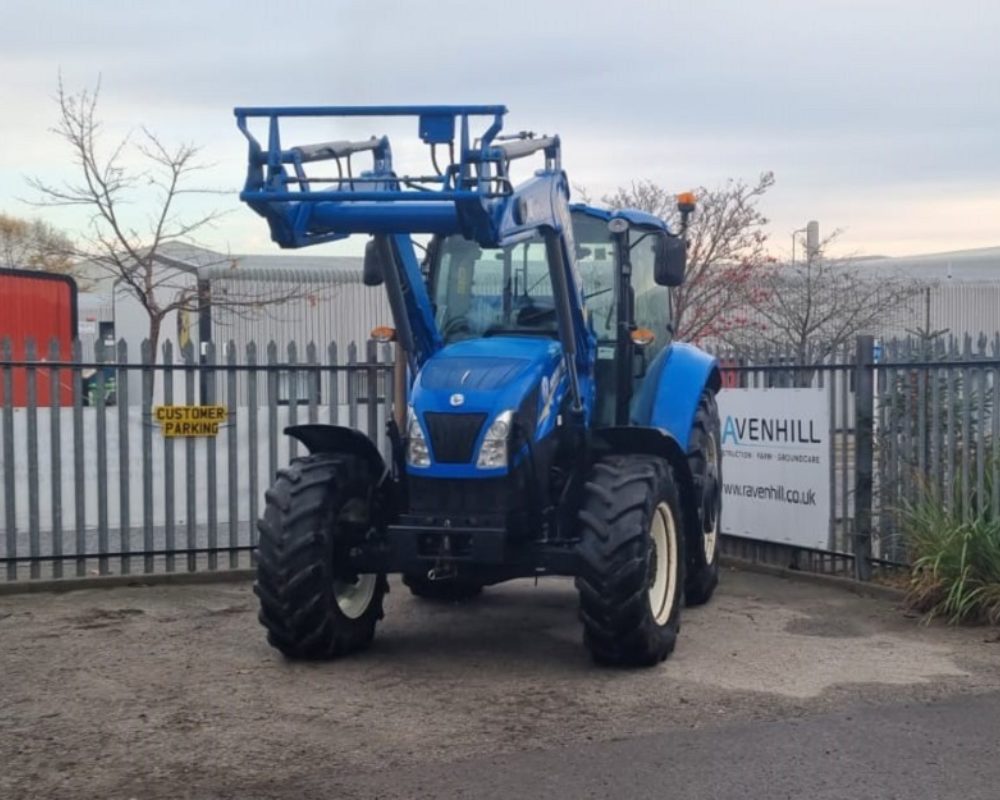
[{"x": 955, "y": 561}]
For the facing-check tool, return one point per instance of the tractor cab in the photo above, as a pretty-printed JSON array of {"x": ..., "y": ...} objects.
[{"x": 627, "y": 261}]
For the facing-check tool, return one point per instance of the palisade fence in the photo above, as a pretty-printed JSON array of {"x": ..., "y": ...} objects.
[{"x": 89, "y": 484}]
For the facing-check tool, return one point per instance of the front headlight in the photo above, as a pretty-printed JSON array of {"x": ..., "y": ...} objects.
[
  {"x": 417, "y": 453},
  {"x": 493, "y": 452}
]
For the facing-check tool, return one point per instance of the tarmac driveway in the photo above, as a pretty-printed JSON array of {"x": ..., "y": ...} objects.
[{"x": 171, "y": 692}]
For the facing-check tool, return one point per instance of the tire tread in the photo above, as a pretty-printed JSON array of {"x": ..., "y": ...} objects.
[{"x": 294, "y": 582}]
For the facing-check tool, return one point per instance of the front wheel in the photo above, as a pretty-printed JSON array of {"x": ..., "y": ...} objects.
[
  {"x": 311, "y": 603},
  {"x": 632, "y": 556}
]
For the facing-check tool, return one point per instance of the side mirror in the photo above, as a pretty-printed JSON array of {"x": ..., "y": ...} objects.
[
  {"x": 374, "y": 270},
  {"x": 670, "y": 260}
]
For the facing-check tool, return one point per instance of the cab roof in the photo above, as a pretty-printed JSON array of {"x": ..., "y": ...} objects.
[{"x": 631, "y": 215}]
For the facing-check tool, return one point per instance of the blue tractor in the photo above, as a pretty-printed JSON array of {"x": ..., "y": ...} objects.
[{"x": 552, "y": 427}]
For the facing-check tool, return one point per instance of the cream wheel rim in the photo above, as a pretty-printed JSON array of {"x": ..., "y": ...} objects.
[
  {"x": 712, "y": 469},
  {"x": 663, "y": 569},
  {"x": 353, "y": 598}
]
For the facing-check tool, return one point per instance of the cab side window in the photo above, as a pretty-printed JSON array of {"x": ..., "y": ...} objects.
[{"x": 652, "y": 301}]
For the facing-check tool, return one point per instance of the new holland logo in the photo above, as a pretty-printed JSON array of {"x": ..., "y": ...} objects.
[{"x": 457, "y": 399}]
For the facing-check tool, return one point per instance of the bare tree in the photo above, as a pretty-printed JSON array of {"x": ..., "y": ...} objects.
[
  {"x": 727, "y": 251},
  {"x": 34, "y": 244},
  {"x": 819, "y": 304},
  {"x": 134, "y": 190}
]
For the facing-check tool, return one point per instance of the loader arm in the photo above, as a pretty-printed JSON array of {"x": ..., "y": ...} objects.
[{"x": 472, "y": 195}]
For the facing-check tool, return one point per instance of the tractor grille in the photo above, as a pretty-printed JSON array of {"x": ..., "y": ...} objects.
[
  {"x": 478, "y": 498},
  {"x": 453, "y": 436}
]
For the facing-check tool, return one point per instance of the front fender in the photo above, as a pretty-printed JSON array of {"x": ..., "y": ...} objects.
[
  {"x": 319, "y": 438},
  {"x": 669, "y": 395}
]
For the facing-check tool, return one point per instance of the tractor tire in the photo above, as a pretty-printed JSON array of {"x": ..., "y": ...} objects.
[
  {"x": 448, "y": 590},
  {"x": 632, "y": 561},
  {"x": 705, "y": 462},
  {"x": 311, "y": 606}
]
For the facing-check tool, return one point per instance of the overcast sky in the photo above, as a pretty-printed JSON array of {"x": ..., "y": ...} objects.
[{"x": 878, "y": 117}]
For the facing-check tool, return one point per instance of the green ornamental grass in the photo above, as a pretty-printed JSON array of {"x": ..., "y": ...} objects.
[{"x": 955, "y": 556}]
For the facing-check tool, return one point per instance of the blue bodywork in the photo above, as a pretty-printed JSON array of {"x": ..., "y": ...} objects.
[
  {"x": 490, "y": 376},
  {"x": 669, "y": 395}
]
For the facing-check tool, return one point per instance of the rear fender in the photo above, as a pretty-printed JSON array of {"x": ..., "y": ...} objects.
[
  {"x": 643, "y": 441},
  {"x": 669, "y": 395},
  {"x": 319, "y": 438}
]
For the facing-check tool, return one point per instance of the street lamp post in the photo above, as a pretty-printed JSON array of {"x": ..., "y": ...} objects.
[
  {"x": 811, "y": 230},
  {"x": 800, "y": 230}
]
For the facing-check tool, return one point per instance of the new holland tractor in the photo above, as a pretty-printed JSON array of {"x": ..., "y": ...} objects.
[{"x": 551, "y": 425}]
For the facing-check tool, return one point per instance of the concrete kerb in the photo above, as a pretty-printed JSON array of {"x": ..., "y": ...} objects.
[
  {"x": 59, "y": 585},
  {"x": 862, "y": 588},
  {"x": 235, "y": 575}
]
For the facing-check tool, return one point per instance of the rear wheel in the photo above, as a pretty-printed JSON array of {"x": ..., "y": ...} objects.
[
  {"x": 445, "y": 590},
  {"x": 632, "y": 555},
  {"x": 311, "y": 603},
  {"x": 705, "y": 462}
]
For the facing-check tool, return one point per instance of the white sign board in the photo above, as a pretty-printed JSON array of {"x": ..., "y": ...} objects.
[{"x": 776, "y": 465}]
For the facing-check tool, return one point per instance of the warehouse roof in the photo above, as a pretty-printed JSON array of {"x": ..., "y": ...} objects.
[
  {"x": 981, "y": 265},
  {"x": 271, "y": 267}
]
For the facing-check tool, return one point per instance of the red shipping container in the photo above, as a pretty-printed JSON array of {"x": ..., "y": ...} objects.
[
  {"x": 39, "y": 306},
  {"x": 730, "y": 376}
]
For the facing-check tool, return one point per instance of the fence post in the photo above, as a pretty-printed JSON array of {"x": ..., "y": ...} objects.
[
  {"x": 34, "y": 522},
  {"x": 124, "y": 462},
  {"x": 863, "y": 456},
  {"x": 190, "y": 467},
  {"x": 79, "y": 491},
  {"x": 169, "y": 501},
  {"x": 147, "y": 355},
  {"x": 101, "y": 428},
  {"x": 56, "y": 356},
  {"x": 209, "y": 397},
  {"x": 232, "y": 454},
  {"x": 9, "y": 483},
  {"x": 252, "y": 460}
]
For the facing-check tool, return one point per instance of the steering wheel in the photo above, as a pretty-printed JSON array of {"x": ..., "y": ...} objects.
[
  {"x": 530, "y": 315},
  {"x": 457, "y": 325}
]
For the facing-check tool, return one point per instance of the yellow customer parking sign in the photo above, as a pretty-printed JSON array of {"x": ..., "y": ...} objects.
[{"x": 190, "y": 420}]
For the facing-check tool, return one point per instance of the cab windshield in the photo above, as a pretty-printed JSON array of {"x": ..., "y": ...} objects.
[
  {"x": 595, "y": 254},
  {"x": 480, "y": 291}
]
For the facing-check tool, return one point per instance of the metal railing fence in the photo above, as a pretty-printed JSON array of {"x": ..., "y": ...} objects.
[{"x": 90, "y": 485}]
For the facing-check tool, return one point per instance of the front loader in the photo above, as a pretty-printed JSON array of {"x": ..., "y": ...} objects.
[{"x": 551, "y": 427}]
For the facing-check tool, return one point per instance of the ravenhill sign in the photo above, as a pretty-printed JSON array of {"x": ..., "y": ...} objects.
[{"x": 776, "y": 465}]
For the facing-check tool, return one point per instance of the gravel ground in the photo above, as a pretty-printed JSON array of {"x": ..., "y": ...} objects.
[{"x": 172, "y": 692}]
